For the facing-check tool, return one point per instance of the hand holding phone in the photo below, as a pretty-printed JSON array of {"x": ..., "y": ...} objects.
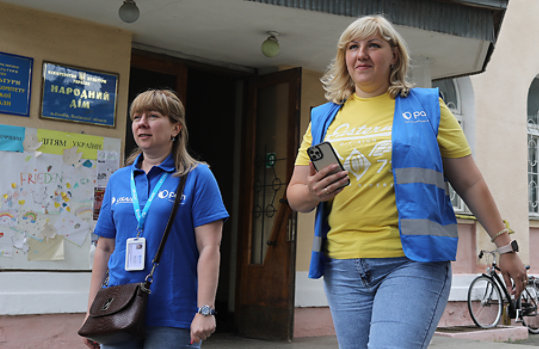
[{"x": 322, "y": 155}]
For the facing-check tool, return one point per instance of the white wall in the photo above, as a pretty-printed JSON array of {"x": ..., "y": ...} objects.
[{"x": 500, "y": 125}]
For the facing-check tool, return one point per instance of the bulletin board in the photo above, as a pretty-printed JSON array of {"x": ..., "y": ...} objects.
[{"x": 51, "y": 187}]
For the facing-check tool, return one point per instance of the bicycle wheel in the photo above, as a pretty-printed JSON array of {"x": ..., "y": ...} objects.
[
  {"x": 527, "y": 303},
  {"x": 485, "y": 302}
]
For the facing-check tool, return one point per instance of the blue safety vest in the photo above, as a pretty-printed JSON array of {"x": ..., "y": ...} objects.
[{"x": 427, "y": 222}]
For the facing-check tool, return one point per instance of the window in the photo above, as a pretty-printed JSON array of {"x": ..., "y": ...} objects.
[
  {"x": 533, "y": 148},
  {"x": 450, "y": 94},
  {"x": 448, "y": 90}
]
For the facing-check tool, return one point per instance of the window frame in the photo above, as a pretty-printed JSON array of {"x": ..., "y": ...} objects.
[
  {"x": 532, "y": 134},
  {"x": 456, "y": 109}
]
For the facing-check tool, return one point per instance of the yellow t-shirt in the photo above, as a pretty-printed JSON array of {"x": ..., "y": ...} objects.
[{"x": 363, "y": 219}]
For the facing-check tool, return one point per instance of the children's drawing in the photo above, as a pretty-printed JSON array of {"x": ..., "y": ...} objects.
[{"x": 47, "y": 196}]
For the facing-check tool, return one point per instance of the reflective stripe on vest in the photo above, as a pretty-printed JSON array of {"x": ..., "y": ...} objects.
[
  {"x": 421, "y": 175},
  {"x": 317, "y": 244},
  {"x": 427, "y": 227},
  {"x": 424, "y": 226}
]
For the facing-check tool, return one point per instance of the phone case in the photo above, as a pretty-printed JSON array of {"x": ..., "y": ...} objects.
[{"x": 323, "y": 155}]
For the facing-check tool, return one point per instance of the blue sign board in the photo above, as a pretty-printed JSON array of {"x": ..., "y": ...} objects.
[
  {"x": 12, "y": 138},
  {"x": 15, "y": 80},
  {"x": 79, "y": 95}
]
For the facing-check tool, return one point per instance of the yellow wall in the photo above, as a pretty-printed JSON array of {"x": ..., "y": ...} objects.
[
  {"x": 312, "y": 95},
  {"x": 58, "y": 39}
]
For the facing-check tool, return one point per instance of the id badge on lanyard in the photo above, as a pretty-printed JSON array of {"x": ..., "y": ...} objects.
[
  {"x": 135, "y": 254},
  {"x": 135, "y": 248}
]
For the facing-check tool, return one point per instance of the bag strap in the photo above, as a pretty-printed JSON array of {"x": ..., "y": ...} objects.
[{"x": 179, "y": 193}]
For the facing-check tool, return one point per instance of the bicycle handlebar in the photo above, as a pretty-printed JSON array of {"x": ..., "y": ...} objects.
[{"x": 493, "y": 254}]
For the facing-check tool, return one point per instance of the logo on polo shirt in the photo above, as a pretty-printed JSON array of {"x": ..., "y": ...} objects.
[
  {"x": 122, "y": 200},
  {"x": 165, "y": 194},
  {"x": 169, "y": 195}
]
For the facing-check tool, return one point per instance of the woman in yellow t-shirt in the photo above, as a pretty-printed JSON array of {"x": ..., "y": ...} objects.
[{"x": 370, "y": 255}]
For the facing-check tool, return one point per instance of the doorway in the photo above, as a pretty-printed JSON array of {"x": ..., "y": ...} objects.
[
  {"x": 211, "y": 100},
  {"x": 228, "y": 115},
  {"x": 211, "y": 117}
]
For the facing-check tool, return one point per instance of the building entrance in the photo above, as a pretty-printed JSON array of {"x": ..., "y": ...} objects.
[
  {"x": 210, "y": 99},
  {"x": 245, "y": 127}
]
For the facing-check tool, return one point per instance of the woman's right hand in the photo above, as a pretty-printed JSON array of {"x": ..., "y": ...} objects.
[
  {"x": 307, "y": 188},
  {"x": 326, "y": 183}
]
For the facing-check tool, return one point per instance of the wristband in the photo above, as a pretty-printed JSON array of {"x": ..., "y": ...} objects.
[{"x": 504, "y": 230}]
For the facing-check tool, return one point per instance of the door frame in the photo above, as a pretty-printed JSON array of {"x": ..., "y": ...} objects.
[{"x": 258, "y": 313}]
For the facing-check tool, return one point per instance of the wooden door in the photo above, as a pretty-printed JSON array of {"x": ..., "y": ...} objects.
[
  {"x": 152, "y": 71},
  {"x": 266, "y": 253}
]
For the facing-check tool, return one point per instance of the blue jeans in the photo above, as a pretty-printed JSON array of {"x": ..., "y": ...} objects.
[
  {"x": 386, "y": 302},
  {"x": 159, "y": 338}
]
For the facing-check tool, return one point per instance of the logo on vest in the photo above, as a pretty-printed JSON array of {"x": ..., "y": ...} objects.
[{"x": 415, "y": 116}]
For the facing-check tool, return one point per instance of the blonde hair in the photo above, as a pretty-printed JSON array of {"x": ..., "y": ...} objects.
[
  {"x": 167, "y": 103},
  {"x": 337, "y": 81}
]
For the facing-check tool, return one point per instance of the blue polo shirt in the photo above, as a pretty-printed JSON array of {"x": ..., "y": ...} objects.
[{"x": 173, "y": 301}]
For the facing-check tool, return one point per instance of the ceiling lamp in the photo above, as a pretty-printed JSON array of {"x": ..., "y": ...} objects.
[
  {"x": 270, "y": 46},
  {"x": 129, "y": 12}
]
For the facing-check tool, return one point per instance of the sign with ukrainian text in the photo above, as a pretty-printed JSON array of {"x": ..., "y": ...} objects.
[
  {"x": 11, "y": 138},
  {"x": 79, "y": 95},
  {"x": 57, "y": 142},
  {"x": 15, "y": 80}
]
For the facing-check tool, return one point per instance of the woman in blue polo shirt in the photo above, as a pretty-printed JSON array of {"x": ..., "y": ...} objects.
[{"x": 137, "y": 203}]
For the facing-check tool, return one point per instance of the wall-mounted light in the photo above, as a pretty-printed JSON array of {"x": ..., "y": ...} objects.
[
  {"x": 270, "y": 46},
  {"x": 129, "y": 11}
]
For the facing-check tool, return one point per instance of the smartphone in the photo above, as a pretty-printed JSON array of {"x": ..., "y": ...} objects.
[{"x": 323, "y": 155}]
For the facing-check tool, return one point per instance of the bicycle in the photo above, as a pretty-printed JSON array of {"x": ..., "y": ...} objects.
[{"x": 486, "y": 299}]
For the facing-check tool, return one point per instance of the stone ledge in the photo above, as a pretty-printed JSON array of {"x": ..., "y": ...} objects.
[{"x": 497, "y": 334}]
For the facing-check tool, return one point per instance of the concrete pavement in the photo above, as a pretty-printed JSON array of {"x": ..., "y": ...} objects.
[
  {"x": 439, "y": 342},
  {"x": 227, "y": 341}
]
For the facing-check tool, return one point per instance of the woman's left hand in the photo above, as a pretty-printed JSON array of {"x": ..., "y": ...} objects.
[
  {"x": 466, "y": 179},
  {"x": 202, "y": 327},
  {"x": 513, "y": 268}
]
